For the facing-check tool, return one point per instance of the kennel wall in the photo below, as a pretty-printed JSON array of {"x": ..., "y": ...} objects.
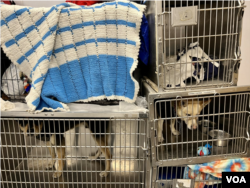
[
  {"x": 215, "y": 25},
  {"x": 227, "y": 114},
  {"x": 24, "y": 158}
]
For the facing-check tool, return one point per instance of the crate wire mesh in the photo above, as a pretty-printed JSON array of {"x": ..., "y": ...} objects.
[
  {"x": 218, "y": 33},
  {"x": 24, "y": 158},
  {"x": 228, "y": 113},
  {"x": 12, "y": 84}
]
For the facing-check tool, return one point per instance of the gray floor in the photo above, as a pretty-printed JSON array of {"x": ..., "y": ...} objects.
[{"x": 77, "y": 173}]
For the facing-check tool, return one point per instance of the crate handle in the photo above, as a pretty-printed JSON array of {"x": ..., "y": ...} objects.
[
  {"x": 144, "y": 148},
  {"x": 248, "y": 127}
]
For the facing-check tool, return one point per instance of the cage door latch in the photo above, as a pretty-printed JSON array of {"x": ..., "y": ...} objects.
[{"x": 145, "y": 148}]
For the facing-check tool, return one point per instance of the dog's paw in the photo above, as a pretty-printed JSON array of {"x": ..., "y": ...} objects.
[
  {"x": 103, "y": 174},
  {"x": 160, "y": 139},
  {"x": 182, "y": 84},
  {"x": 57, "y": 174},
  {"x": 91, "y": 158},
  {"x": 176, "y": 133},
  {"x": 49, "y": 165}
]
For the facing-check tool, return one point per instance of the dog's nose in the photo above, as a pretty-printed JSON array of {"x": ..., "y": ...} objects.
[{"x": 194, "y": 126}]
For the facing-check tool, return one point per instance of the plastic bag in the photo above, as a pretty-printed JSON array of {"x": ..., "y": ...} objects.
[
  {"x": 6, "y": 105},
  {"x": 144, "y": 36},
  {"x": 141, "y": 101}
]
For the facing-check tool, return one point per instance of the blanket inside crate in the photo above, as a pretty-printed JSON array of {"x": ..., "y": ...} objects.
[
  {"x": 211, "y": 173},
  {"x": 74, "y": 53}
]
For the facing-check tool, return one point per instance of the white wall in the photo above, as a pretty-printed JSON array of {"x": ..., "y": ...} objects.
[
  {"x": 244, "y": 73},
  {"x": 39, "y": 3}
]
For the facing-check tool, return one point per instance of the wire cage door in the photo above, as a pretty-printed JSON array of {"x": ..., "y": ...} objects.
[
  {"x": 197, "y": 43},
  {"x": 191, "y": 130},
  {"x": 73, "y": 152}
]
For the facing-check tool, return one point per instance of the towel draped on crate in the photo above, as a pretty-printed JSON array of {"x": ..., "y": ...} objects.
[{"x": 74, "y": 53}]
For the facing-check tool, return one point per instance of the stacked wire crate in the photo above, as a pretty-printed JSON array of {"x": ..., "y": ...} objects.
[
  {"x": 25, "y": 159},
  {"x": 30, "y": 159},
  {"x": 99, "y": 144},
  {"x": 180, "y": 74}
]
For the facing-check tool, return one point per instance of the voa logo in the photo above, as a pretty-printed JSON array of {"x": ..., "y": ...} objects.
[
  {"x": 236, "y": 179},
  {"x": 231, "y": 179}
]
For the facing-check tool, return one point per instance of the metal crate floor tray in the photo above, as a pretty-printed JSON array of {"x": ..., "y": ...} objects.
[
  {"x": 122, "y": 109},
  {"x": 79, "y": 173}
]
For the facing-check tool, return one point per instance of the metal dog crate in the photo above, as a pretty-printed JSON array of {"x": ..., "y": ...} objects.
[
  {"x": 24, "y": 158},
  {"x": 228, "y": 111},
  {"x": 215, "y": 25}
]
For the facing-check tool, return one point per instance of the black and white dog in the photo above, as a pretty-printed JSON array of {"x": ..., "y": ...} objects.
[{"x": 52, "y": 132}]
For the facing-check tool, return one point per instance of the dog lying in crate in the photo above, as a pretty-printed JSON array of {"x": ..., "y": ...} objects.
[
  {"x": 186, "y": 109},
  {"x": 52, "y": 132}
]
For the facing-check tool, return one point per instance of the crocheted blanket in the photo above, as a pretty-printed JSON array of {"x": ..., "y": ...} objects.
[{"x": 74, "y": 53}]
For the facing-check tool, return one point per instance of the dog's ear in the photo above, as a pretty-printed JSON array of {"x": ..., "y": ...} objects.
[
  {"x": 38, "y": 128},
  {"x": 24, "y": 128},
  {"x": 184, "y": 103},
  {"x": 206, "y": 102}
]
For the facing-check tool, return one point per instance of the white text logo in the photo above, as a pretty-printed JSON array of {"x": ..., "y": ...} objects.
[{"x": 235, "y": 179}]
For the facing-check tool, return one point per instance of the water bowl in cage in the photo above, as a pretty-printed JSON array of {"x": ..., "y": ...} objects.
[
  {"x": 221, "y": 137},
  {"x": 206, "y": 125}
]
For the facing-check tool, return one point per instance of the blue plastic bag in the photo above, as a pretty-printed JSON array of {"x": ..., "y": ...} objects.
[{"x": 144, "y": 36}]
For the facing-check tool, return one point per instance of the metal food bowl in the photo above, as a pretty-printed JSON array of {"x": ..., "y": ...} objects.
[
  {"x": 221, "y": 137},
  {"x": 206, "y": 126}
]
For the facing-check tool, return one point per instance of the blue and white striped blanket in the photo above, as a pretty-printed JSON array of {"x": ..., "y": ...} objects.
[{"x": 74, "y": 53}]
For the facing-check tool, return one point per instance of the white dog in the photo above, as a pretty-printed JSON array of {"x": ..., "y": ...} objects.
[{"x": 187, "y": 110}]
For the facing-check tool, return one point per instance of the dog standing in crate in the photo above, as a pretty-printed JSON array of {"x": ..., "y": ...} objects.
[
  {"x": 52, "y": 132},
  {"x": 186, "y": 109}
]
